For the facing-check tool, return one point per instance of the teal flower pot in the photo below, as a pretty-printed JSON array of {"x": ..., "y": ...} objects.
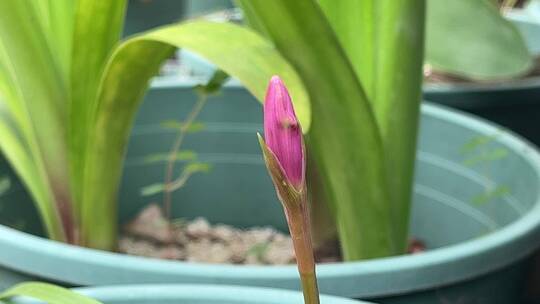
[
  {"x": 203, "y": 294},
  {"x": 197, "y": 8},
  {"x": 200, "y": 294},
  {"x": 142, "y": 15},
  {"x": 514, "y": 104},
  {"x": 476, "y": 206}
]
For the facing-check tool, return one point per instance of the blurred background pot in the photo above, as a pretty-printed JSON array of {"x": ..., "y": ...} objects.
[
  {"x": 514, "y": 104},
  {"x": 476, "y": 207},
  {"x": 143, "y": 15}
]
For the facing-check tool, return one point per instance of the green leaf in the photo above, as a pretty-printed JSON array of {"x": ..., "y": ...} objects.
[
  {"x": 13, "y": 148},
  {"x": 97, "y": 29},
  {"x": 370, "y": 32},
  {"x": 250, "y": 19},
  {"x": 497, "y": 192},
  {"x": 472, "y": 39},
  {"x": 57, "y": 20},
  {"x": 187, "y": 172},
  {"x": 177, "y": 125},
  {"x": 196, "y": 167},
  {"x": 5, "y": 184},
  {"x": 477, "y": 142},
  {"x": 47, "y": 293},
  {"x": 34, "y": 92},
  {"x": 396, "y": 99},
  {"x": 214, "y": 84},
  {"x": 343, "y": 127},
  {"x": 152, "y": 189},
  {"x": 237, "y": 51},
  {"x": 354, "y": 23},
  {"x": 486, "y": 156},
  {"x": 163, "y": 157}
]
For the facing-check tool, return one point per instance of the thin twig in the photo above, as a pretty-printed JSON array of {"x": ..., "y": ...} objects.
[
  {"x": 167, "y": 192},
  {"x": 179, "y": 182}
]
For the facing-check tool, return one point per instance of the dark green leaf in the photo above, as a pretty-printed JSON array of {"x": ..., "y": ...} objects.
[{"x": 215, "y": 83}]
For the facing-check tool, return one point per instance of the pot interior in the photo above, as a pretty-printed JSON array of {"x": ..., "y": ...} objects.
[{"x": 468, "y": 181}]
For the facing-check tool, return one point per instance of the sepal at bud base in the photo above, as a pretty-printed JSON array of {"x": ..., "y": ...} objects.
[{"x": 289, "y": 195}]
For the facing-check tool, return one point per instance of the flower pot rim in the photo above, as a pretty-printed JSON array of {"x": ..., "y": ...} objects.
[
  {"x": 470, "y": 87},
  {"x": 54, "y": 260},
  {"x": 217, "y": 293}
]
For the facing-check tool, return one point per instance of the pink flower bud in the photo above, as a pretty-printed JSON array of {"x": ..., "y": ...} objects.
[{"x": 282, "y": 132}]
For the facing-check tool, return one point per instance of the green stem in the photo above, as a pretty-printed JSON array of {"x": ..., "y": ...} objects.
[
  {"x": 310, "y": 288},
  {"x": 300, "y": 229},
  {"x": 171, "y": 186}
]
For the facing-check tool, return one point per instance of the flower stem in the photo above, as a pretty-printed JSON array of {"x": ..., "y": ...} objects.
[
  {"x": 300, "y": 230},
  {"x": 309, "y": 287}
]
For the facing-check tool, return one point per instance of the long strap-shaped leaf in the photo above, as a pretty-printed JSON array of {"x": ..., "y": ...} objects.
[
  {"x": 384, "y": 41},
  {"x": 97, "y": 30},
  {"x": 18, "y": 145},
  {"x": 48, "y": 293},
  {"x": 56, "y": 19},
  {"x": 236, "y": 50},
  {"x": 397, "y": 96},
  {"x": 15, "y": 150},
  {"x": 40, "y": 94},
  {"x": 354, "y": 23},
  {"x": 344, "y": 137}
]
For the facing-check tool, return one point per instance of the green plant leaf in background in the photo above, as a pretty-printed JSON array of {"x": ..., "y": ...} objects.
[
  {"x": 48, "y": 293},
  {"x": 195, "y": 126},
  {"x": 69, "y": 92},
  {"x": 34, "y": 90},
  {"x": 237, "y": 51},
  {"x": 183, "y": 155},
  {"x": 472, "y": 39},
  {"x": 97, "y": 30},
  {"x": 370, "y": 32}
]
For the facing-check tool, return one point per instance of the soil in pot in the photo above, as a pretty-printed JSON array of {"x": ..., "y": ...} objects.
[{"x": 151, "y": 234}]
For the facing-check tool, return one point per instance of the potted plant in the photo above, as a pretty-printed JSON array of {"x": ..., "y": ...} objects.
[
  {"x": 487, "y": 65},
  {"x": 463, "y": 179}
]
